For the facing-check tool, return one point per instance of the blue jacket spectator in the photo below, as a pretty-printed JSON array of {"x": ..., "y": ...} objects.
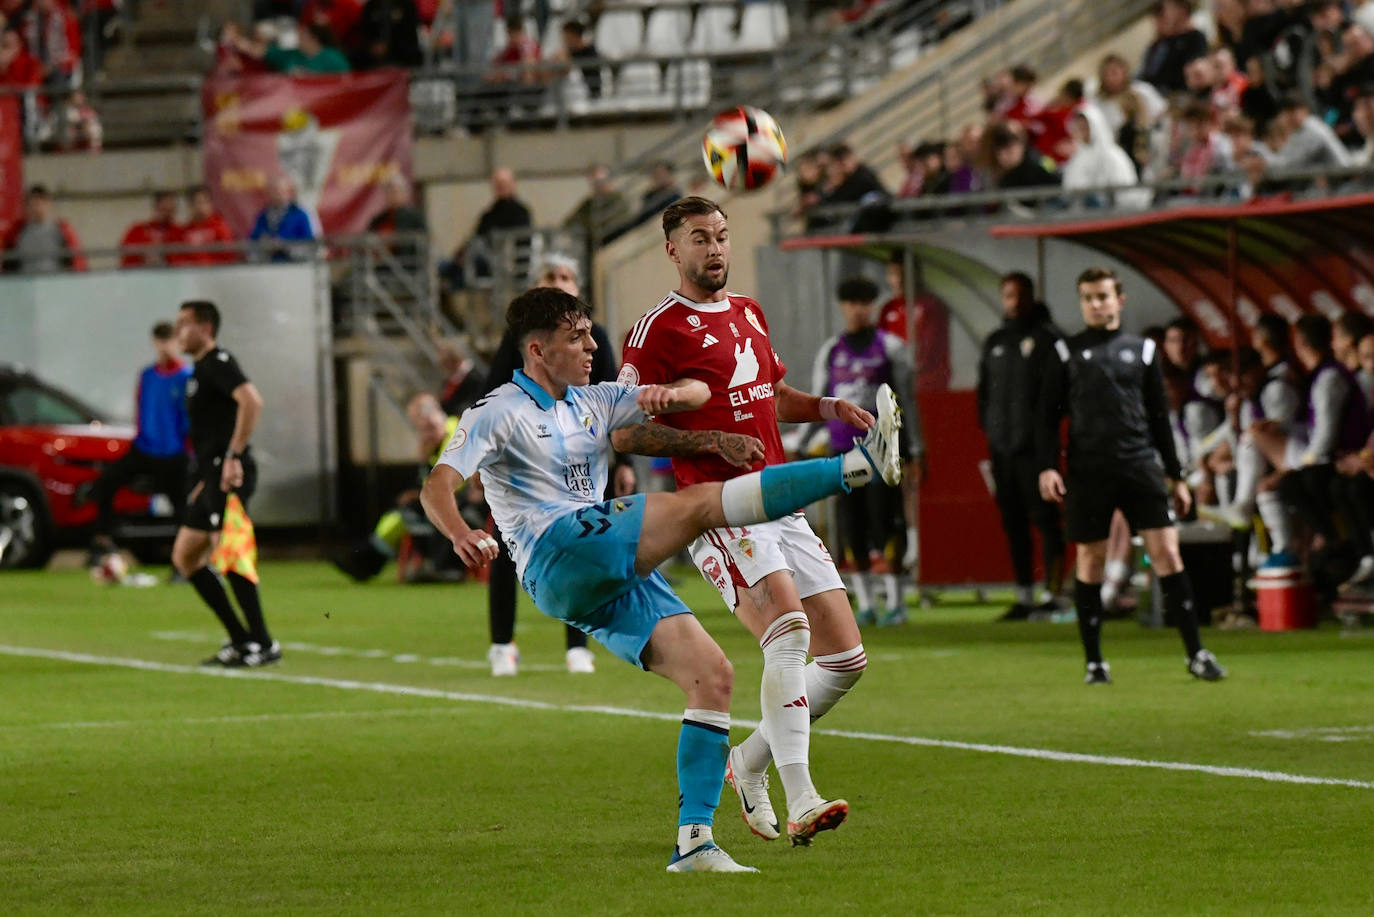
[{"x": 285, "y": 221}]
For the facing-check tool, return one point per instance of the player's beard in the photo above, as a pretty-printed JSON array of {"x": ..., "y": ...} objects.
[{"x": 707, "y": 282}]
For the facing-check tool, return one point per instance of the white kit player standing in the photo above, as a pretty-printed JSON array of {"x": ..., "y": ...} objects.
[{"x": 777, "y": 577}]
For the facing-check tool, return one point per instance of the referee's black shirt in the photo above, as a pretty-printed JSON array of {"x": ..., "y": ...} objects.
[
  {"x": 1109, "y": 383},
  {"x": 210, "y": 404}
]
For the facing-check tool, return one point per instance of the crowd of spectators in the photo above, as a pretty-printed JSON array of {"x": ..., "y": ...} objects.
[
  {"x": 41, "y": 64},
  {"x": 1227, "y": 101}
]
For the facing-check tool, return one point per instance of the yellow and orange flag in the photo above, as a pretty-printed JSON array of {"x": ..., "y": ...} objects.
[{"x": 237, "y": 551}]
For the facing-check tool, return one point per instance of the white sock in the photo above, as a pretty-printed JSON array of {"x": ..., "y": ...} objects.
[
  {"x": 894, "y": 591},
  {"x": 861, "y": 592},
  {"x": 741, "y": 499},
  {"x": 782, "y": 697},
  {"x": 856, "y": 467},
  {"x": 1115, "y": 571},
  {"x": 828, "y": 678},
  {"x": 1222, "y": 483},
  {"x": 1275, "y": 516},
  {"x": 690, "y": 837}
]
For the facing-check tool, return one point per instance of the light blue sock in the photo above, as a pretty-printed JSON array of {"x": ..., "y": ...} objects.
[
  {"x": 702, "y": 747},
  {"x": 796, "y": 485}
]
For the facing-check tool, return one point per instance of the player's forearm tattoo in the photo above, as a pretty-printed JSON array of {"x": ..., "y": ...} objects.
[{"x": 657, "y": 439}]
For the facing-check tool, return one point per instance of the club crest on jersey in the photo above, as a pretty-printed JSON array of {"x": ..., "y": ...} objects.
[
  {"x": 694, "y": 321},
  {"x": 1128, "y": 356},
  {"x": 746, "y": 547},
  {"x": 1027, "y": 345},
  {"x": 589, "y": 424},
  {"x": 455, "y": 442},
  {"x": 753, "y": 319},
  {"x": 629, "y": 375},
  {"x": 619, "y": 506}
]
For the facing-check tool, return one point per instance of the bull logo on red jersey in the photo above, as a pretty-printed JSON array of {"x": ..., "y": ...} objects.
[
  {"x": 746, "y": 364},
  {"x": 754, "y": 320},
  {"x": 711, "y": 567}
]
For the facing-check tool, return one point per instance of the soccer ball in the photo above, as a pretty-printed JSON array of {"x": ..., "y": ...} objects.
[
  {"x": 744, "y": 148},
  {"x": 110, "y": 569}
]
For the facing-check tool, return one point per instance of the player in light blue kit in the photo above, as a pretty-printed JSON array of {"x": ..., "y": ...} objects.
[{"x": 542, "y": 444}]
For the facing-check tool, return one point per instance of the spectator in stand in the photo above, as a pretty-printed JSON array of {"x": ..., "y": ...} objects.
[
  {"x": 603, "y": 213},
  {"x": 317, "y": 52},
  {"x": 1203, "y": 150},
  {"x": 932, "y": 326},
  {"x": 663, "y": 190},
  {"x": 1229, "y": 16},
  {"x": 1362, "y": 114},
  {"x": 964, "y": 165},
  {"x": 1011, "y": 98},
  {"x": 99, "y": 18},
  {"x": 341, "y": 17},
  {"x": 1198, "y": 78},
  {"x": 462, "y": 385},
  {"x": 1365, "y": 352},
  {"x": 506, "y": 213},
  {"x": 518, "y": 61},
  {"x": 18, "y": 68},
  {"x": 1131, "y": 107},
  {"x": 853, "y": 182},
  {"x": 78, "y": 124},
  {"x": 1052, "y": 124},
  {"x": 205, "y": 227},
  {"x": 160, "y": 229},
  {"x": 1311, "y": 143},
  {"x": 400, "y": 216},
  {"x": 1228, "y": 83},
  {"x": 1016, "y": 168},
  {"x": 1176, "y": 42},
  {"x": 577, "y": 48},
  {"x": 53, "y": 36},
  {"x": 392, "y": 28},
  {"x": 1098, "y": 162},
  {"x": 42, "y": 242},
  {"x": 284, "y": 229},
  {"x": 810, "y": 188}
]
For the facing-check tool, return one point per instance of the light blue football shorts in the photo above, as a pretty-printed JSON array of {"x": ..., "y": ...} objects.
[{"x": 582, "y": 572}]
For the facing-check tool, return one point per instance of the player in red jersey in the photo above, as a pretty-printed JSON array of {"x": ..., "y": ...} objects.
[{"x": 778, "y": 577}]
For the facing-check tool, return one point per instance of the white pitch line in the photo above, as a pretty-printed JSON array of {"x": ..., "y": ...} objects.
[
  {"x": 1044, "y": 754},
  {"x": 245, "y": 718},
  {"x": 186, "y": 636}
]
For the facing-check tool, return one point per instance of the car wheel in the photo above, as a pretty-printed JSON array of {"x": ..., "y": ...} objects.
[{"x": 23, "y": 536}]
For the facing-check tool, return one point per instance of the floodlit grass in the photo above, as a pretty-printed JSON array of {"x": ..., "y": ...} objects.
[{"x": 166, "y": 791}]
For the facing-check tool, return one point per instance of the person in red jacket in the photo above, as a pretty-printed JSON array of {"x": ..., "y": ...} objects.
[
  {"x": 205, "y": 227},
  {"x": 932, "y": 328},
  {"x": 160, "y": 229},
  {"x": 18, "y": 68}
]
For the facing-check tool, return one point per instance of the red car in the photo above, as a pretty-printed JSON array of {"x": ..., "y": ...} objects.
[{"x": 52, "y": 449}]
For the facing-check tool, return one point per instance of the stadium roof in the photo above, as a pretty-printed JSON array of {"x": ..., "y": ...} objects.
[{"x": 1291, "y": 256}]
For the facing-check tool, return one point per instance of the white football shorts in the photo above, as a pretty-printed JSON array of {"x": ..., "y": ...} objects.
[{"x": 736, "y": 558}]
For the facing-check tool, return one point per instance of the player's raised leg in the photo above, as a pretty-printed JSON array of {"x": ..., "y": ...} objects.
[
  {"x": 673, "y": 521},
  {"x": 680, "y": 650}
]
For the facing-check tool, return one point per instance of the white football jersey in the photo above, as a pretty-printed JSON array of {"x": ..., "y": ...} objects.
[{"x": 540, "y": 458}]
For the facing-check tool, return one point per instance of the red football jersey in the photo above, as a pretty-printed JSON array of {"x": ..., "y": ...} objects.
[{"x": 724, "y": 344}]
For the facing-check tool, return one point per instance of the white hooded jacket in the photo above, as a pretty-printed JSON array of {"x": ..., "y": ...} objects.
[{"x": 1102, "y": 163}]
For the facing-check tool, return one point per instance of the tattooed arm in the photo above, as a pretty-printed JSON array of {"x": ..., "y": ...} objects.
[{"x": 657, "y": 439}]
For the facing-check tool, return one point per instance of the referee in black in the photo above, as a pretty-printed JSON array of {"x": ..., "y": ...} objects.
[
  {"x": 223, "y": 407},
  {"x": 1109, "y": 383}
]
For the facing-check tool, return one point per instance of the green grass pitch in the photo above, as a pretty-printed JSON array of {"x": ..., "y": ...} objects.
[{"x": 381, "y": 770}]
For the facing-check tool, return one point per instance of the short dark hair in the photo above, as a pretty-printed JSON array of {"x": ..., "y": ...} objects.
[
  {"x": 164, "y": 195},
  {"x": 1185, "y": 324},
  {"x": 1248, "y": 360},
  {"x": 575, "y": 27},
  {"x": 192, "y": 191},
  {"x": 164, "y": 331},
  {"x": 1197, "y": 111},
  {"x": 206, "y": 313},
  {"x": 1355, "y": 324},
  {"x": 1274, "y": 330},
  {"x": 1096, "y": 274},
  {"x": 1293, "y": 101},
  {"x": 39, "y": 191},
  {"x": 543, "y": 310},
  {"x": 1219, "y": 357},
  {"x": 1073, "y": 88},
  {"x": 857, "y": 289},
  {"x": 841, "y": 151},
  {"x": 1025, "y": 287},
  {"x": 515, "y": 22},
  {"x": 323, "y": 34},
  {"x": 678, "y": 211},
  {"x": 1315, "y": 332},
  {"x": 1024, "y": 73}
]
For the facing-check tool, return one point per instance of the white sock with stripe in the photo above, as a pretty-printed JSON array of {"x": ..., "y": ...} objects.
[
  {"x": 782, "y": 698},
  {"x": 828, "y": 678}
]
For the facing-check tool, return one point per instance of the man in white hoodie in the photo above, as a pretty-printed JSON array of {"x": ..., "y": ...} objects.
[{"x": 1099, "y": 162}]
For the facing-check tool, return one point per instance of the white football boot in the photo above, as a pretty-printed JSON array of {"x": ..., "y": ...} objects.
[
  {"x": 755, "y": 807},
  {"x": 706, "y": 858}
]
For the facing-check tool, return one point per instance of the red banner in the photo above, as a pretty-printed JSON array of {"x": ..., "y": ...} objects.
[
  {"x": 340, "y": 138},
  {"x": 11, "y": 163}
]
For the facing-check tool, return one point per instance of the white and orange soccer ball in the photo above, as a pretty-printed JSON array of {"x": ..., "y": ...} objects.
[
  {"x": 744, "y": 148},
  {"x": 110, "y": 569}
]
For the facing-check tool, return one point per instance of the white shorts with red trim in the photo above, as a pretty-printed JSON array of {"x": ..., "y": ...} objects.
[{"x": 736, "y": 558}]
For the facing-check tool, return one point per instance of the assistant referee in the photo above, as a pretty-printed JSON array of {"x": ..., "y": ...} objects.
[
  {"x": 1109, "y": 383},
  {"x": 223, "y": 407}
]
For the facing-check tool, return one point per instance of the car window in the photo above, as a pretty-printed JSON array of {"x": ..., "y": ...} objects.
[{"x": 30, "y": 405}]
